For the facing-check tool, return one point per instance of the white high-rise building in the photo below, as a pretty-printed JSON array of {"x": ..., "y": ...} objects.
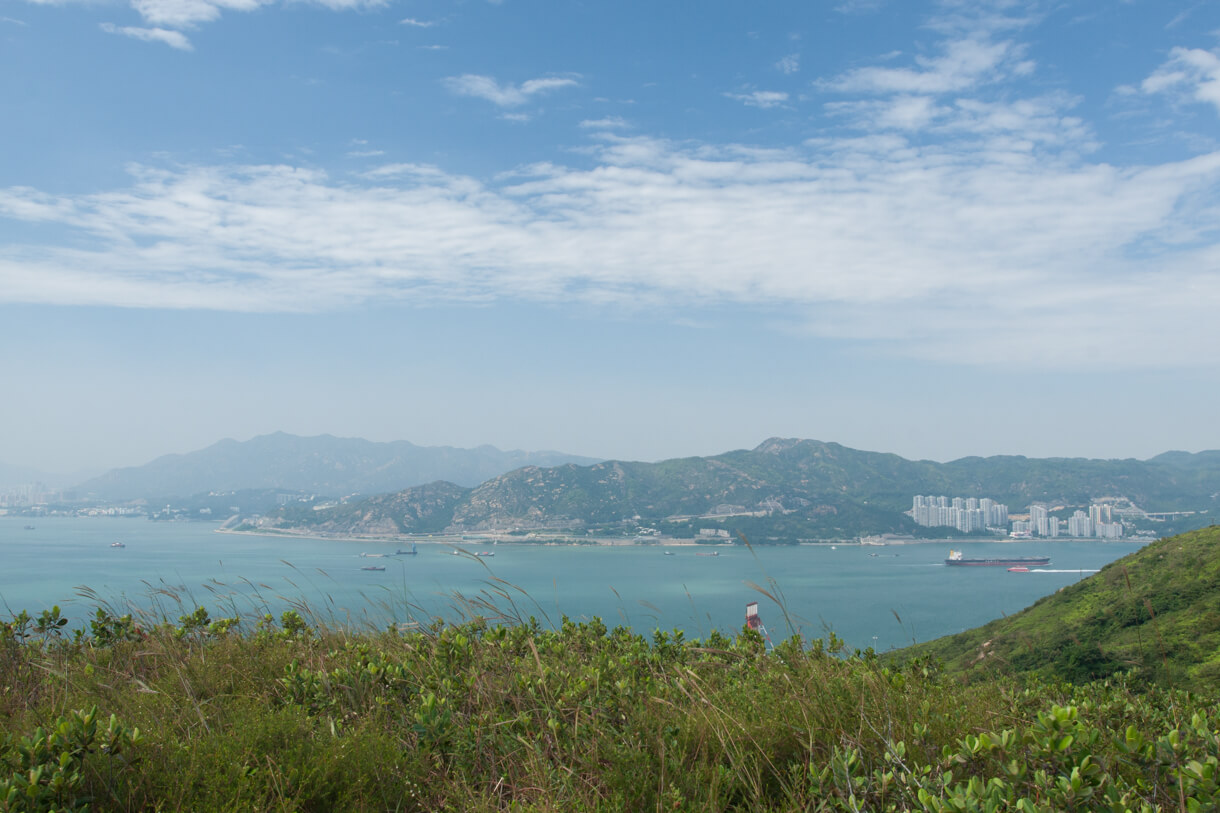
[
  {"x": 1079, "y": 524},
  {"x": 1038, "y": 519},
  {"x": 964, "y": 513},
  {"x": 1000, "y": 516}
]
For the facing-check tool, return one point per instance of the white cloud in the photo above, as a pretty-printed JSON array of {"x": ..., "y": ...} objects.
[
  {"x": 607, "y": 123},
  {"x": 789, "y": 64},
  {"x": 364, "y": 153},
  {"x": 174, "y": 39},
  {"x": 858, "y": 6},
  {"x": 188, "y": 13},
  {"x": 416, "y": 23},
  {"x": 163, "y": 15},
  {"x": 760, "y": 98},
  {"x": 1038, "y": 122},
  {"x": 972, "y": 250},
  {"x": 962, "y": 64},
  {"x": 1192, "y": 71},
  {"x": 507, "y": 95}
]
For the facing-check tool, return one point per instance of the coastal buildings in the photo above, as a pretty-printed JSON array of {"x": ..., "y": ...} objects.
[
  {"x": 965, "y": 514},
  {"x": 1098, "y": 523},
  {"x": 969, "y": 514}
]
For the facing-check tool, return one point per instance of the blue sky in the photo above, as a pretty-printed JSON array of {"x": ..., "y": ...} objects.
[{"x": 634, "y": 230}]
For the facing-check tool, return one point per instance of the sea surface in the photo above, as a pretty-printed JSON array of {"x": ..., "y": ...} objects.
[{"x": 884, "y": 597}]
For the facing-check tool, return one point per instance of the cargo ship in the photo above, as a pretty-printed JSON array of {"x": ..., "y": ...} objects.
[{"x": 957, "y": 560}]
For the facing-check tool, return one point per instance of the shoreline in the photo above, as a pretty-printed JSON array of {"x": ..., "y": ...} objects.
[
  {"x": 448, "y": 540},
  {"x": 487, "y": 539}
]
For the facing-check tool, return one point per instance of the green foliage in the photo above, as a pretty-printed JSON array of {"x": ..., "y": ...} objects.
[
  {"x": 472, "y": 716},
  {"x": 46, "y": 770},
  {"x": 1153, "y": 616}
]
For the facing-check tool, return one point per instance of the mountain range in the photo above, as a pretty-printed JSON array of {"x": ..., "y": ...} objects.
[
  {"x": 784, "y": 487},
  {"x": 320, "y": 465}
]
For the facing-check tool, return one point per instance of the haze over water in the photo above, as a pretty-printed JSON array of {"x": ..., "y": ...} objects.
[{"x": 887, "y": 600}]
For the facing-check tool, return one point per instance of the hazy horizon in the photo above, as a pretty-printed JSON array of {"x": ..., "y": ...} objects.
[
  {"x": 83, "y": 473},
  {"x": 932, "y": 228}
]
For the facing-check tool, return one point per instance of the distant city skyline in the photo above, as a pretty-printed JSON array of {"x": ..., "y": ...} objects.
[{"x": 630, "y": 231}]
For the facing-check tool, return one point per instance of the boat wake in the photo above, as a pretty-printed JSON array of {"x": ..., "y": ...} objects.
[{"x": 1046, "y": 570}]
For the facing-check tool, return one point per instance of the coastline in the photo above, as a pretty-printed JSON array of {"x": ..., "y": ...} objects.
[
  {"x": 473, "y": 540},
  {"x": 483, "y": 539}
]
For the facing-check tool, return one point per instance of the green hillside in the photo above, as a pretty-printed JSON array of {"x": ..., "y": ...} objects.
[
  {"x": 783, "y": 488},
  {"x": 423, "y": 509},
  {"x": 1155, "y": 613}
]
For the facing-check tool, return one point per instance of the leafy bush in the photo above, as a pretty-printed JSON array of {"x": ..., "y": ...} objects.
[{"x": 284, "y": 715}]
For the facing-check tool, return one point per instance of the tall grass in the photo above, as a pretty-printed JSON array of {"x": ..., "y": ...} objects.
[{"x": 231, "y": 708}]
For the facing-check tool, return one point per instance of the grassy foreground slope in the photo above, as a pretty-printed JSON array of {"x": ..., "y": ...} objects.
[
  {"x": 203, "y": 714},
  {"x": 1154, "y": 613}
]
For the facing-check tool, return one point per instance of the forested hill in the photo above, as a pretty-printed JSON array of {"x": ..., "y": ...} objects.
[
  {"x": 1154, "y": 613},
  {"x": 782, "y": 488}
]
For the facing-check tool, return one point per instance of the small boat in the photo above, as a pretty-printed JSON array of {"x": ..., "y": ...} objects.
[
  {"x": 29, "y": 527},
  {"x": 669, "y": 553},
  {"x": 486, "y": 553},
  {"x": 117, "y": 545},
  {"x": 373, "y": 567},
  {"x": 712, "y": 553},
  {"x": 1018, "y": 570},
  {"x": 401, "y": 552}
]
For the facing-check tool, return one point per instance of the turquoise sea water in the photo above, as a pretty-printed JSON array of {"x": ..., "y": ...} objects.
[{"x": 902, "y": 594}]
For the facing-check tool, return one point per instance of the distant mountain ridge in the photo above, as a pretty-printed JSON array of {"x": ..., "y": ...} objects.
[
  {"x": 784, "y": 486},
  {"x": 321, "y": 464}
]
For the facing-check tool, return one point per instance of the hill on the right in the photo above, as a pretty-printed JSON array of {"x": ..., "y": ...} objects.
[{"x": 1154, "y": 615}]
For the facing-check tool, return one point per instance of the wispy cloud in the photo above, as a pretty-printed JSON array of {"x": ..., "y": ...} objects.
[
  {"x": 606, "y": 123},
  {"x": 508, "y": 94},
  {"x": 961, "y": 65},
  {"x": 174, "y": 39},
  {"x": 789, "y": 64},
  {"x": 859, "y": 6},
  {"x": 417, "y": 23},
  {"x": 760, "y": 98},
  {"x": 176, "y": 15},
  {"x": 968, "y": 82},
  {"x": 966, "y": 252},
  {"x": 189, "y": 13},
  {"x": 1192, "y": 72}
]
